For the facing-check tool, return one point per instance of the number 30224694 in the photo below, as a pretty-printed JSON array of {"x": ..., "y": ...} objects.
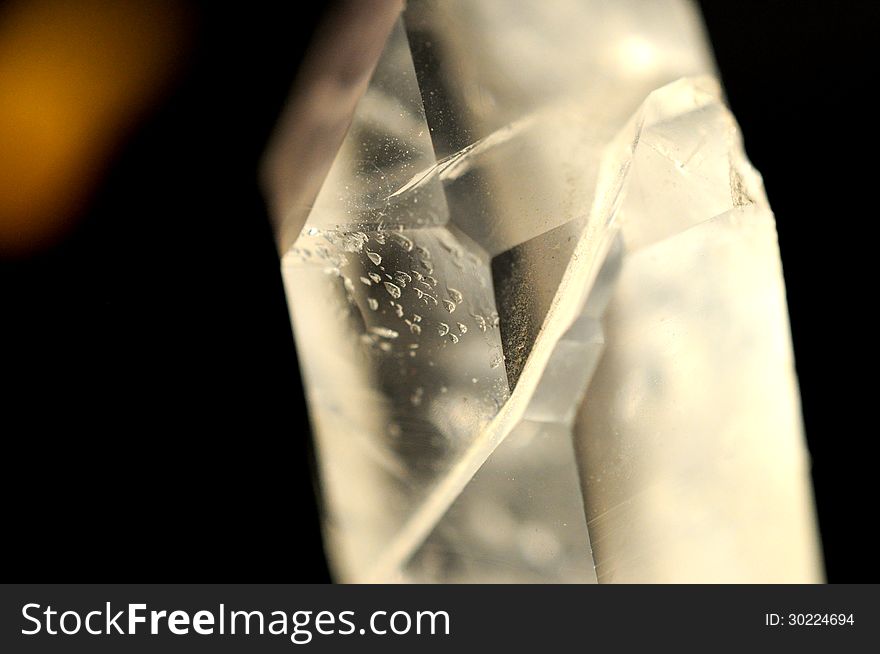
[{"x": 809, "y": 619}]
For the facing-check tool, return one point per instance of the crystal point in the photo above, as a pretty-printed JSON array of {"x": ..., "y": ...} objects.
[{"x": 538, "y": 303}]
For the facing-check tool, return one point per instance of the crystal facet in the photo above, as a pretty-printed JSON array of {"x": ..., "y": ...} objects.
[{"x": 538, "y": 301}]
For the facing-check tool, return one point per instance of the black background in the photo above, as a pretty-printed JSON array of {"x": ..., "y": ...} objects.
[{"x": 152, "y": 422}]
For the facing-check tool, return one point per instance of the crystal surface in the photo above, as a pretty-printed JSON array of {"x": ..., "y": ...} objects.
[
  {"x": 538, "y": 302},
  {"x": 690, "y": 435}
]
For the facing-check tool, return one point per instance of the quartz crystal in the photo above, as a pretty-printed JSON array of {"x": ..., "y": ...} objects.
[{"x": 540, "y": 313}]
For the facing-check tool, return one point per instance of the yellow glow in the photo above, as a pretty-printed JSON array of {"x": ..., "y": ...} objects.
[{"x": 73, "y": 77}]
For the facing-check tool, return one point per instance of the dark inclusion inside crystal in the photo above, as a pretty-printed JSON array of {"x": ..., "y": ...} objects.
[{"x": 525, "y": 276}]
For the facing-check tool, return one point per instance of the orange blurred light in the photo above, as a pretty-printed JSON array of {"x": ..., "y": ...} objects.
[{"x": 73, "y": 77}]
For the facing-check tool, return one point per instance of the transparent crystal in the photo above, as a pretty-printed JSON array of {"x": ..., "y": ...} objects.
[{"x": 512, "y": 170}]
